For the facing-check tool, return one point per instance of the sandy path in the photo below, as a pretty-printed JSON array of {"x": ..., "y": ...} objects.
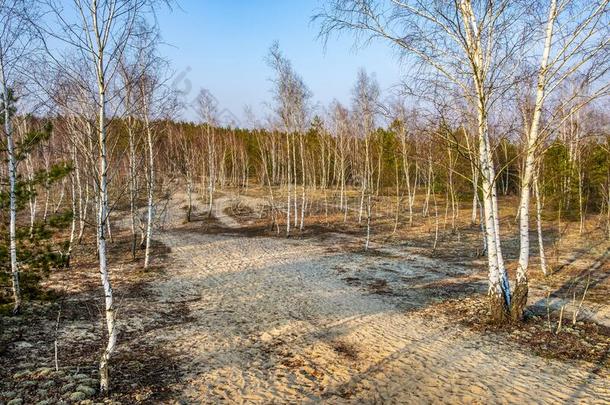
[{"x": 272, "y": 321}]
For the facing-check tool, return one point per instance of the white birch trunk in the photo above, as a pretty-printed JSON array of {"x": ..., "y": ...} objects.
[
  {"x": 362, "y": 191},
  {"x": 132, "y": 183},
  {"x": 499, "y": 287},
  {"x": 295, "y": 199},
  {"x": 62, "y": 194},
  {"x": 101, "y": 241},
  {"x": 539, "y": 226},
  {"x": 73, "y": 203},
  {"x": 151, "y": 189},
  {"x": 288, "y": 184},
  {"x": 521, "y": 288},
  {"x": 475, "y": 197},
  {"x": 368, "y": 224},
  {"x": 212, "y": 173},
  {"x": 102, "y": 218},
  {"x": 303, "y": 196},
  {"x": 12, "y": 175},
  {"x": 32, "y": 199}
]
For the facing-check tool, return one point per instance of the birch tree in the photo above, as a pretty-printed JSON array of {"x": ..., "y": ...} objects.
[
  {"x": 156, "y": 101},
  {"x": 366, "y": 95},
  {"x": 15, "y": 43},
  {"x": 207, "y": 108},
  {"x": 292, "y": 107},
  {"x": 340, "y": 124},
  {"x": 575, "y": 39},
  {"x": 129, "y": 74},
  {"x": 401, "y": 118},
  {"x": 98, "y": 31},
  {"x": 147, "y": 85},
  {"x": 466, "y": 45}
]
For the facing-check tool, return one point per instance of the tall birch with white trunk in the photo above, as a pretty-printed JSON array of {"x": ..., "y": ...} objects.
[
  {"x": 129, "y": 74},
  {"x": 99, "y": 31},
  {"x": 146, "y": 89},
  {"x": 465, "y": 44},
  {"x": 7, "y": 102},
  {"x": 575, "y": 35},
  {"x": 207, "y": 109},
  {"x": 292, "y": 108},
  {"x": 339, "y": 116},
  {"x": 154, "y": 102},
  {"x": 15, "y": 43},
  {"x": 365, "y": 99}
]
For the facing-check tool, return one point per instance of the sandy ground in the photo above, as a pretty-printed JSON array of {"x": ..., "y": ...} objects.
[{"x": 275, "y": 320}]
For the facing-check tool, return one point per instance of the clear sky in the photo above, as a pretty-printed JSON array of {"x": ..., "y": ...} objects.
[{"x": 221, "y": 45}]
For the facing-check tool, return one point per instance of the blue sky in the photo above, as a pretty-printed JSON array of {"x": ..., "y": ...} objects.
[{"x": 221, "y": 45}]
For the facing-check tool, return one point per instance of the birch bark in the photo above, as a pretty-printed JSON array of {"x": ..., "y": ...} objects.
[{"x": 521, "y": 286}]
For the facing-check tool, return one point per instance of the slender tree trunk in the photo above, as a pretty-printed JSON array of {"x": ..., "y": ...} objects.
[
  {"x": 475, "y": 196},
  {"x": 362, "y": 193},
  {"x": 343, "y": 198},
  {"x": 73, "y": 181},
  {"x": 499, "y": 286},
  {"x": 436, "y": 222},
  {"x": 451, "y": 189},
  {"x": 46, "y": 190},
  {"x": 102, "y": 220},
  {"x": 73, "y": 225},
  {"x": 425, "y": 208},
  {"x": 607, "y": 199},
  {"x": 303, "y": 179},
  {"x": 581, "y": 198},
  {"x": 507, "y": 172},
  {"x": 295, "y": 178},
  {"x": 62, "y": 195},
  {"x": 521, "y": 287},
  {"x": 83, "y": 206},
  {"x": 12, "y": 175},
  {"x": 397, "y": 214},
  {"x": 212, "y": 169},
  {"x": 32, "y": 198},
  {"x": 406, "y": 169},
  {"x": 475, "y": 180},
  {"x": 189, "y": 197},
  {"x": 483, "y": 232},
  {"x": 288, "y": 184},
  {"x": 324, "y": 180},
  {"x": 539, "y": 225},
  {"x": 368, "y": 223},
  {"x": 151, "y": 189},
  {"x": 101, "y": 240},
  {"x": 132, "y": 184},
  {"x": 108, "y": 225},
  {"x": 499, "y": 291}
]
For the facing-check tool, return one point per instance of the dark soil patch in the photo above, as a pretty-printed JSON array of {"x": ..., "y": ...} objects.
[
  {"x": 293, "y": 363},
  {"x": 240, "y": 211},
  {"x": 345, "y": 349},
  {"x": 379, "y": 286},
  {"x": 353, "y": 281}
]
